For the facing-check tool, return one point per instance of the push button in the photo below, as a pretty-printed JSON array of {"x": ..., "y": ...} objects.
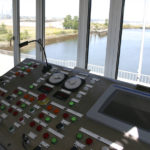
[
  {"x": 39, "y": 128},
  {"x": 45, "y": 135},
  {"x": 32, "y": 124},
  {"x": 79, "y": 136},
  {"x": 74, "y": 119},
  {"x": 2, "y": 107},
  {"x": 56, "y": 111},
  {"x": 65, "y": 115},
  {"x": 50, "y": 107},
  {"x": 47, "y": 119},
  {"x": 60, "y": 126},
  {"x": 10, "y": 110},
  {"x": 89, "y": 141},
  {"x": 53, "y": 140},
  {"x": 15, "y": 113},
  {"x": 41, "y": 115}
]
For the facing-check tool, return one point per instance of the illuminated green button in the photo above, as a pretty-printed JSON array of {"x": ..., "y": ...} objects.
[
  {"x": 79, "y": 136},
  {"x": 19, "y": 93},
  {"x": 2, "y": 107},
  {"x": 74, "y": 119},
  {"x": 47, "y": 119},
  {"x": 23, "y": 105},
  {"x": 71, "y": 103},
  {"x": 31, "y": 86},
  {"x": 23, "y": 68},
  {"x": 53, "y": 140},
  {"x": 29, "y": 64}
]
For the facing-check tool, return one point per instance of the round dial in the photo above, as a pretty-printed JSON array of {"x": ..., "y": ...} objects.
[
  {"x": 73, "y": 83},
  {"x": 56, "y": 78}
]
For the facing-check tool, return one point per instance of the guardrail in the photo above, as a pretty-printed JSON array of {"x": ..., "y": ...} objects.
[{"x": 99, "y": 70}]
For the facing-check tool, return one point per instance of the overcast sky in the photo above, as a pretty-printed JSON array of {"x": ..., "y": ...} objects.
[{"x": 134, "y": 9}]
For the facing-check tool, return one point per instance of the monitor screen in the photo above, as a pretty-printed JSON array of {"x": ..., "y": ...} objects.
[{"x": 128, "y": 107}]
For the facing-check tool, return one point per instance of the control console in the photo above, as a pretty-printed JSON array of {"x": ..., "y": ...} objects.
[{"x": 49, "y": 111}]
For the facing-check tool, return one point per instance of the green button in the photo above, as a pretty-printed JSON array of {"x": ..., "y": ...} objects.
[
  {"x": 53, "y": 140},
  {"x": 79, "y": 136},
  {"x": 73, "y": 119},
  {"x": 71, "y": 103},
  {"x": 23, "y": 68},
  {"x": 47, "y": 119},
  {"x": 23, "y": 105},
  {"x": 2, "y": 107},
  {"x": 32, "y": 110},
  {"x": 29, "y": 64},
  {"x": 19, "y": 93},
  {"x": 11, "y": 129},
  {"x": 31, "y": 86}
]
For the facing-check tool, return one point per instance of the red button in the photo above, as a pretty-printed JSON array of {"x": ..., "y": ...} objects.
[
  {"x": 18, "y": 103},
  {"x": 10, "y": 110},
  {"x": 89, "y": 141},
  {"x": 28, "y": 70},
  {"x": 17, "y": 73},
  {"x": 45, "y": 135},
  {"x": 22, "y": 75},
  {"x": 34, "y": 66},
  {"x": 41, "y": 115},
  {"x": 2, "y": 94},
  {"x": 65, "y": 115},
  {"x": 15, "y": 91},
  {"x": 32, "y": 124},
  {"x": 15, "y": 113},
  {"x": 21, "y": 119},
  {"x": 26, "y": 96},
  {"x": 56, "y": 111},
  {"x": 39, "y": 128},
  {"x": 41, "y": 97}
]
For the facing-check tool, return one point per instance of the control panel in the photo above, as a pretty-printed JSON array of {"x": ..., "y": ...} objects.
[{"x": 47, "y": 111}]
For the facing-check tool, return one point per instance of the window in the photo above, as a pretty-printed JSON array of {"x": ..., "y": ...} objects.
[
  {"x": 135, "y": 39},
  {"x": 6, "y": 33},
  {"x": 61, "y": 31},
  {"x": 98, "y": 35},
  {"x": 27, "y": 27}
]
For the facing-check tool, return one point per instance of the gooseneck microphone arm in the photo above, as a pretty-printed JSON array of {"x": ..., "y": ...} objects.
[{"x": 39, "y": 41}]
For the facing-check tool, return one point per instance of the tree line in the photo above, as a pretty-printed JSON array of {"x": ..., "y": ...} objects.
[
  {"x": 71, "y": 23},
  {"x": 8, "y": 35}
]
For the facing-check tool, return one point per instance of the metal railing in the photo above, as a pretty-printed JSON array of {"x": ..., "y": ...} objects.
[{"x": 95, "y": 69}]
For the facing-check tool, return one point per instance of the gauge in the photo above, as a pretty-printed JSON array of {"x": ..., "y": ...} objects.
[
  {"x": 56, "y": 78},
  {"x": 73, "y": 83}
]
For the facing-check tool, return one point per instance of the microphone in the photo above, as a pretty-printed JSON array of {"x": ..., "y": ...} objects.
[{"x": 39, "y": 41}]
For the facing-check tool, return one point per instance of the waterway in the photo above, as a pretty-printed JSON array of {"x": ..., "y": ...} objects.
[{"x": 129, "y": 56}]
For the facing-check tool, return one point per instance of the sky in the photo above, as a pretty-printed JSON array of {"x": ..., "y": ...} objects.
[{"x": 134, "y": 9}]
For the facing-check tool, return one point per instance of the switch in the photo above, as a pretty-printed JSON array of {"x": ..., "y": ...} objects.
[
  {"x": 37, "y": 148},
  {"x": 79, "y": 136},
  {"x": 41, "y": 115},
  {"x": 65, "y": 115},
  {"x": 74, "y": 148},
  {"x": 45, "y": 135},
  {"x": 39, "y": 128},
  {"x": 56, "y": 111},
  {"x": 89, "y": 141},
  {"x": 53, "y": 140},
  {"x": 47, "y": 119},
  {"x": 60, "y": 126},
  {"x": 32, "y": 124}
]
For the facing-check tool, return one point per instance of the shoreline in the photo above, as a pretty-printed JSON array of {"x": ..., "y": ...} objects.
[{"x": 50, "y": 40}]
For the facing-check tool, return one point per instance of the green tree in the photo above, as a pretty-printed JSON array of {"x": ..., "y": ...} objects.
[
  {"x": 9, "y": 37},
  {"x": 67, "y": 22},
  {"x": 75, "y": 23},
  {"x": 3, "y": 29},
  {"x": 106, "y": 22},
  {"x": 24, "y": 35}
]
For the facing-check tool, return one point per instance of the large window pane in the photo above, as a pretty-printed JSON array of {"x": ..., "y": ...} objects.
[
  {"x": 6, "y": 33},
  {"x": 61, "y": 31},
  {"x": 27, "y": 27},
  {"x": 135, "y": 40},
  {"x": 98, "y": 35}
]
